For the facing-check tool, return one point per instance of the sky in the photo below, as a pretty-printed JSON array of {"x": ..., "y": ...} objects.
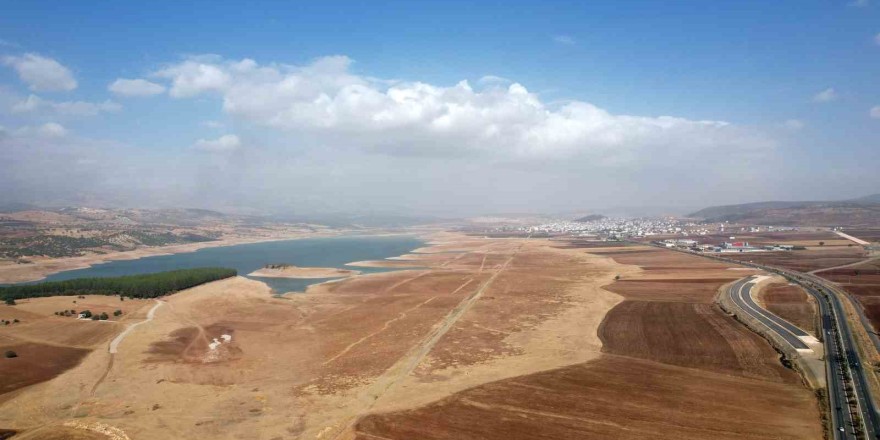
[{"x": 438, "y": 108}]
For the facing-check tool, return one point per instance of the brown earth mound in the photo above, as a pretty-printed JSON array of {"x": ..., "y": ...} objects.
[{"x": 193, "y": 345}]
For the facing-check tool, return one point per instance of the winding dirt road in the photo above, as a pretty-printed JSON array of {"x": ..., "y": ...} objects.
[{"x": 150, "y": 315}]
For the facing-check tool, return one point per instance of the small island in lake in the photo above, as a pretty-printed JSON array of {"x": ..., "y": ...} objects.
[{"x": 291, "y": 271}]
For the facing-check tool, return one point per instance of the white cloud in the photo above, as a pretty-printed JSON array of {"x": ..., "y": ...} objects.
[
  {"x": 223, "y": 144},
  {"x": 212, "y": 124},
  {"x": 564, "y": 39},
  {"x": 53, "y": 129},
  {"x": 826, "y": 95},
  {"x": 135, "y": 87},
  {"x": 793, "y": 124},
  {"x": 328, "y": 103},
  {"x": 41, "y": 73},
  {"x": 875, "y": 112},
  {"x": 193, "y": 77},
  {"x": 35, "y": 104},
  {"x": 492, "y": 79},
  {"x": 45, "y": 131}
]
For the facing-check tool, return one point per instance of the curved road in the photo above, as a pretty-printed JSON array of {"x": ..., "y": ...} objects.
[
  {"x": 741, "y": 294},
  {"x": 114, "y": 344},
  {"x": 118, "y": 339}
]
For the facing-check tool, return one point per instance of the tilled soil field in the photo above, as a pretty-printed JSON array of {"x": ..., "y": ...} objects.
[
  {"x": 612, "y": 397},
  {"x": 804, "y": 261},
  {"x": 690, "y": 335},
  {"x": 35, "y": 363},
  {"x": 792, "y": 304}
]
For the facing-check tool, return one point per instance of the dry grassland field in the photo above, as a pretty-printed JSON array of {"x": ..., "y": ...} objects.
[
  {"x": 476, "y": 339},
  {"x": 48, "y": 345}
]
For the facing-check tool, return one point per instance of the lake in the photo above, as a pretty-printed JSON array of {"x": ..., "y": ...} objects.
[{"x": 246, "y": 258}]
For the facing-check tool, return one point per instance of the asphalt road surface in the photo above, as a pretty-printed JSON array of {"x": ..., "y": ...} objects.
[{"x": 741, "y": 294}]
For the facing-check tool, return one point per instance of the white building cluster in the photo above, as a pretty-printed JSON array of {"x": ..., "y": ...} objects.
[{"x": 617, "y": 228}]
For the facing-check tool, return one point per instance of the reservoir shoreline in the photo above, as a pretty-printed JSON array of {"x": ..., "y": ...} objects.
[{"x": 42, "y": 269}]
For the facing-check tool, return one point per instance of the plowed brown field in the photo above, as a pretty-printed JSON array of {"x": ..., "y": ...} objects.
[
  {"x": 790, "y": 303},
  {"x": 804, "y": 261},
  {"x": 690, "y": 335},
  {"x": 609, "y": 398},
  {"x": 35, "y": 363}
]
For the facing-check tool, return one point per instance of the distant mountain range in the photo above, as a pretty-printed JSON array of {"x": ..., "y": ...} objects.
[{"x": 862, "y": 211}]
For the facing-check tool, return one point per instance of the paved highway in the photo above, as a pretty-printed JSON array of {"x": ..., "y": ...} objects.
[
  {"x": 847, "y": 358},
  {"x": 836, "y": 374},
  {"x": 846, "y": 377},
  {"x": 741, "y": 294}
]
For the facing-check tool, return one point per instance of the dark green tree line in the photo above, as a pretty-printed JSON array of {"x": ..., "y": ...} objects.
[{"x": 136, "y": 286}]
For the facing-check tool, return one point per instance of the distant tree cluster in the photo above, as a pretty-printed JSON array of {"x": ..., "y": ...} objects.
[
  {"x": 277, "y": 266},
  {"x": 134, "y": 286},
  {"x": 68, "y": 246}
]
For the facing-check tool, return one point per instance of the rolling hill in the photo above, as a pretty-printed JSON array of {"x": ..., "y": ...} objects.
[{"x": 863, "y": 211}]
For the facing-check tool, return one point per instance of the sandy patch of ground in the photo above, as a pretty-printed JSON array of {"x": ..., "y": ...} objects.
[
  {"x": 302, "y": 272},
  {"x": 543, "y": 312}
]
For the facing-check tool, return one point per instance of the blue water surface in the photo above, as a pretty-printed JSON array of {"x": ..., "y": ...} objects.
[{"x": 246, "y": 258}]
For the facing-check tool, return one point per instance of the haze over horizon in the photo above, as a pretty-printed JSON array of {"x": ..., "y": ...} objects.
[{"x": 444, "y": 108}]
